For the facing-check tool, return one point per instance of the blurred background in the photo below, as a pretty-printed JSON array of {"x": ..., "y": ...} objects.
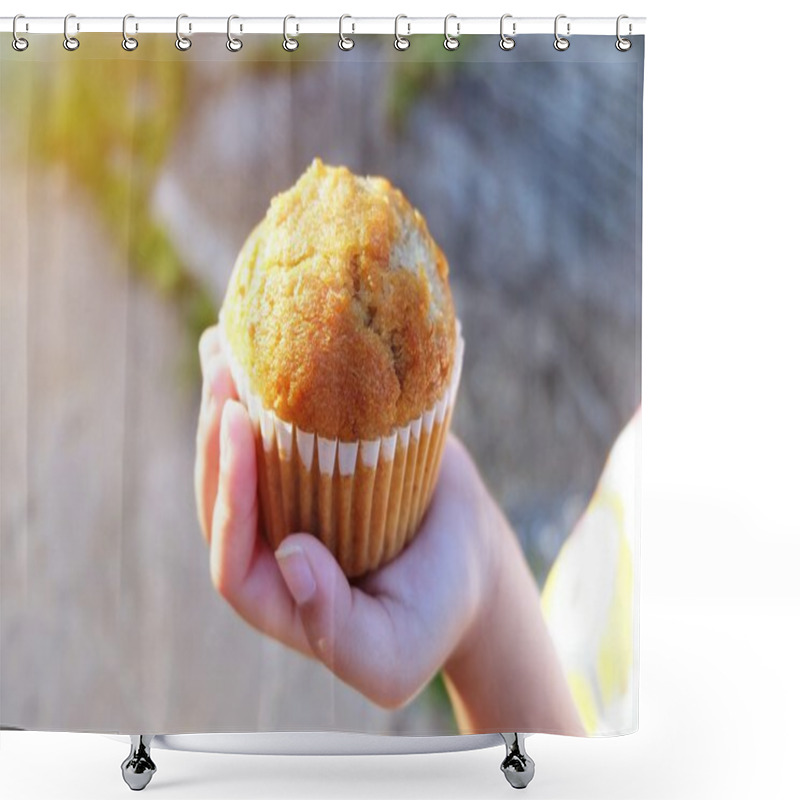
[{"x": 129, "y": 183}]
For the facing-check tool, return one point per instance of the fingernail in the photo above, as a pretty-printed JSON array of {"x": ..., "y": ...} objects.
[
  {"x": 204, "y": 345},
  {"x": 206, "y": 401},
  {"x": 225, "y": 447},
  {"x": 296, "y": 572},
  {"x": 208, "y": 390}
]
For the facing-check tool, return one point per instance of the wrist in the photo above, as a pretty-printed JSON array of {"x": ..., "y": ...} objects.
[
  {"x": 505, "y": 642},
  {"x": 498, "y": 541}
]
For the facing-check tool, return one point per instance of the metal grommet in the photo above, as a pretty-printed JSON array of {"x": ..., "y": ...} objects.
[
  {"x": 182, "y": 42},
  {"x": 129, "y": 43},
  {"x": 623, "y": 45},
  {"x": 233, "y": 44},
  {"x": 18, "y": 43},
  {"x": 560, "y": 44},
  {"x": 71, "y": 43},
  {"x": 400, "y": 42},
  {"x": 506, "y": 41},
  {"x": 290, "y": 43},
  {"x": 345, "y": 43},
  {"x": 451, "y": 42}
]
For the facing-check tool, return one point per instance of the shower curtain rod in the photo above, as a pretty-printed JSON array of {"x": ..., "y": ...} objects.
[{"x": 297, "y": 25}]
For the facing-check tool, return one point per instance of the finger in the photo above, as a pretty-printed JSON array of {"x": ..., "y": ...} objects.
[
  {"x": 235, "y": 517},
  {"x": 218, "y": 387},
  {"x": 352, "y": 633},
  {"x": 243, "y": 568},
  {"x": 209, "y": 345}
]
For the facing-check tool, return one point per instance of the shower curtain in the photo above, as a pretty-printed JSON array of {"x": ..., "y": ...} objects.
[{"x": 131, "y": 181}]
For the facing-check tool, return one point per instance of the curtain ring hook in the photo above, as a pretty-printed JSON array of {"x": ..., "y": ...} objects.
[
  {"x": 451, "y": 42},
  {"x": 129, "y": 43},
  {"x": 507, "y": 42},
  {"x": 233, "y": 44},
  {"x": 622, "y": 44},
  {"x": 71, "y": 43},
  {"x": 182, "y": 42},
  {"x": 290, "y": 43},
  {"x": 560, "y": 43},
  {"x": 18, "y": 43},
  {"x": 345, "y": 43},
  {"x": 401, "y": 42}
]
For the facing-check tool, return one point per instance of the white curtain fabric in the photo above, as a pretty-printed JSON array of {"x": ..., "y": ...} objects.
[{"x": 129, "y": 182}]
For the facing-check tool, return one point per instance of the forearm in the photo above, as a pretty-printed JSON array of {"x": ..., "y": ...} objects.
[{"x": 505, "y": 674}]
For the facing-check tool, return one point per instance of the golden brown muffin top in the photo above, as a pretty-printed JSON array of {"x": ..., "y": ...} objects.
[{"x": 339, "y": 308}]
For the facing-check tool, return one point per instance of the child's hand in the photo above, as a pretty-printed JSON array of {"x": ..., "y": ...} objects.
[
  {"x": 385, "y": 634},
  {"x": 459, "y": 597}
]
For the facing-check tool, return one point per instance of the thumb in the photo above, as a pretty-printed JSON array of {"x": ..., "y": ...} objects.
[
  {"x": 319, "y": 587},
  {"x": 348, "y": 630}
]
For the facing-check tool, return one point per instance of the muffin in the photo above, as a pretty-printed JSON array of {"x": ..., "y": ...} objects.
[{"x": 339, "y": 328}]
